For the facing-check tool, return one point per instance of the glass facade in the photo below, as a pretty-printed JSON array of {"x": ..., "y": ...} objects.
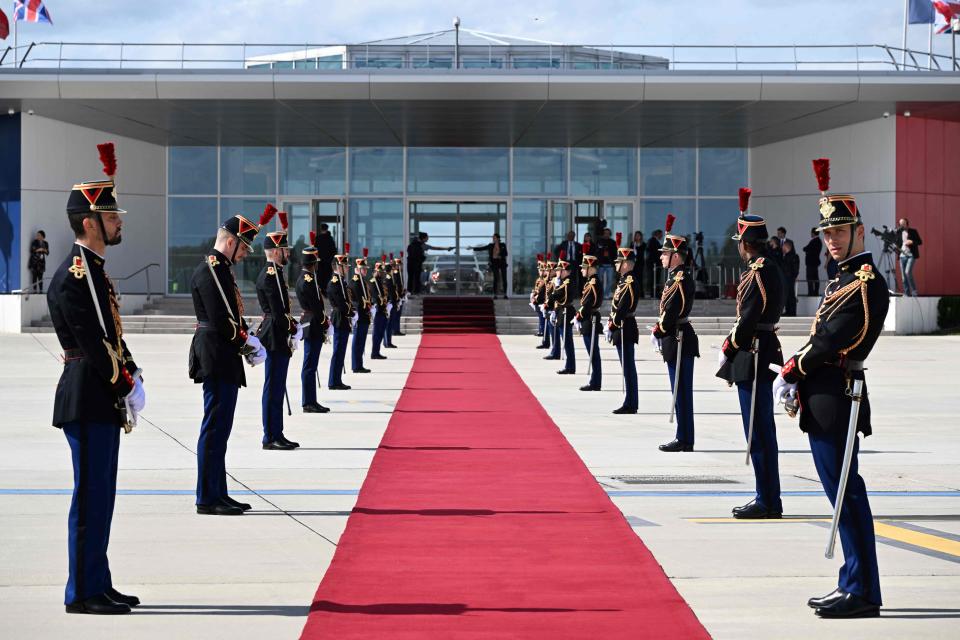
[{"x": 370, "y": 193}]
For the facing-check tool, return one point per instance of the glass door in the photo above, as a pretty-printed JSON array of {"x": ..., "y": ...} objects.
[
  {"x": 298, "y": 234},
  {"x": 559, "y": 222},
  {"x": 333, "y": 213}
]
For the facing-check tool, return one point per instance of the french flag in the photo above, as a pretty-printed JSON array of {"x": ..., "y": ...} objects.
[{"x": 30, "y": 11}]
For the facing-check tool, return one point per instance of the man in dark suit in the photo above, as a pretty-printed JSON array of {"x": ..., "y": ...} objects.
[
  {"x": 639, "y": 250},
  {"x": 497, "y": 259},
  {"x": 326, "y": 249},
  {"x": 573, "y": 251},
  {"x": 811, "y": 260},
  {"x": 314, "y": 322},
  {"x": 99, "y": 392},
  {"x": 653, "y": 259}
]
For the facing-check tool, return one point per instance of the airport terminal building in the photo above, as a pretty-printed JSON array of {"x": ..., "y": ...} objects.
[{"x": 462, "y": 136}]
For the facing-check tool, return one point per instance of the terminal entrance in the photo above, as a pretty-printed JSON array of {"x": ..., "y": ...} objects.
[{"x": 455, "y": 266}]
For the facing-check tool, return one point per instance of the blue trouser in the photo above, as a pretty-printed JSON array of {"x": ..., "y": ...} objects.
[
  {"x": 557, "y": 336},
  {"x": 859, "y": 573},
  {"x": 570, "y": 354},
  {"x": 308, "y": 374},
  {"x": 684, "y": 397},
  {"x": 395, "y": 320},
  {"x": 547, "y": 330},
  {"x": 388, "y": 331},
  {"x": 379, "y": 329},
  {"x": 625, "y": 353},
  {"x": 359, "y": 344},
  {"x": 340, "y": 337},
  {"x": 274, "y": 389},
  {"x": 763, "y": 450},
  {"x": 595, "y": 371},
  {"x": 540, "y": 322},
  {"x": 94, "y": 448},
  {"x": 219, "y": 403}
]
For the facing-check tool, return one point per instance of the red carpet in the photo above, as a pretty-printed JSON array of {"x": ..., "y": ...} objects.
[
  {"x": 468, "y": 314},
  {"x": 478, "y": 520}
]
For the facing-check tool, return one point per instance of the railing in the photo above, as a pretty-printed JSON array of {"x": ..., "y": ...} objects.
[
  {"x": 612, "y": 57},
  {"x": 145, "y": 270}
]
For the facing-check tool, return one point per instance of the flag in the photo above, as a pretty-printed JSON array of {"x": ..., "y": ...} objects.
[
  {"x": 4, "y": 26},
  {"x": 30, "y": 11},
  {"x": 948, "y": 10},
  {"x": 921, "y": 12}
]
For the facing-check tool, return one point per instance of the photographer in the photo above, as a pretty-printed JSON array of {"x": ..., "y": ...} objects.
[{"x": 908, "y": 242}]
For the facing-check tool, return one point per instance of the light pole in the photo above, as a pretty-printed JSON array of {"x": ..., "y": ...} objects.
[{"x": 456, "y": 42}]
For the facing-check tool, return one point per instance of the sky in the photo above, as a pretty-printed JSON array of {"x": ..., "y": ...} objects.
[{"x": 567, "y": 21}]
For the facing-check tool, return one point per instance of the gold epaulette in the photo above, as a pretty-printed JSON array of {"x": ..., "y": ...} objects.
[
  {"x": 271, "y": 271},
  {"x": 213, "y": 261},
  {"x": 308, "y": 278},
  {"x": 355, "y": 277},
  {"x": 334, "y": 279}
]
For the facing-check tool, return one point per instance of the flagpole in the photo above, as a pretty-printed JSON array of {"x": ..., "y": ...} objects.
[
  {"x": 15, "y": 24},
  {"x": 906, "y": 17},
  {"x": 930, "y": 49}
]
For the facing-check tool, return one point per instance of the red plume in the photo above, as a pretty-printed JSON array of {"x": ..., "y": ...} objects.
[
  {"x": 586, "y": 247},
  {"x": 383, "y": 258},
  {"x": 549, "y": 255},
  {"x": 670, "y": 220},
  {"x": 366, "y": 252},
  {"x": 268, "y": 212},
  {"x": 821, "y": 167},
  {"x": 108, "y": 157},
  {"x": 539, "y": 257},
  {"x": 563, "y": 254},
  {"x": 401, "y": 255},
  {"x": 346, "y": 247},
  {"x": 619, "y": 239},
  {"x": 313, "y": 238},
  {"x": 744, "y": 198},
  {"x": 283, "y": 219}
]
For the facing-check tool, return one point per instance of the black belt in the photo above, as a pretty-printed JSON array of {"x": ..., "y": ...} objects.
[
  {"x": 850, "y": 365},
  {"x": 205, "y": 325},
  {"x": 72, "y": 354},
  {"x": 683, "y": 320},
  {"x": 767, "y": 326}
]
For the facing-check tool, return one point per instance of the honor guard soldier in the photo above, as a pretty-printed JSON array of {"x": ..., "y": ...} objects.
[
  {"x": 341, "y": 313},
  {"x": 536, "y": 293},
  {"x": 314, "y": 322},
  {"x": 563, "y": 296},
  {"x": 390, "y": 282},
  {"x": 622, "y": 328},
  {"x": 588, "y": 315},
  {"x": 401, "y": 294},
  {"x": 746, "y": 355},
  {"x": 827, "y": 375},
  {"x": 674, "y": 337},
  {"x": 543, "y": 301},
  {"x": 99, "y": 392},
  {"x": 552, "y": 311},
  {"x": 279, "y": 333},
  {"x": 361, "y": 297},
  {"x": 220, "y": 342},
  {"x": 378, "y": 291}
]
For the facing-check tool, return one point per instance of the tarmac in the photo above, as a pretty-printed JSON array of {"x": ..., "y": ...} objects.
[{"x": 254, "y": 576}]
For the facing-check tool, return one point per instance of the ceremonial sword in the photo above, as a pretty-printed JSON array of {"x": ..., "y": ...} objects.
[
  {"x": 290, "y": 341},
  {"x": 753, "y": 398},
  {"x": 856, "y": 396},
  {"x": 676, "y": 375}
]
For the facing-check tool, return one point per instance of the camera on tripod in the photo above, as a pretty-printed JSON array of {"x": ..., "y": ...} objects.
[{"x": 887, "y": 236}]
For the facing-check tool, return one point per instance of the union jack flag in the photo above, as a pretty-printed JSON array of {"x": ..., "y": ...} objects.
[
  {"x": 948, "y": 10},
  {"x": 30, "y": 11}
]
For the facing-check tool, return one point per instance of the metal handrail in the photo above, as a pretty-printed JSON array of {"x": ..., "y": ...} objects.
[
  {"x": 26, "y": 293},
  {"x": 733, "y": 57}
]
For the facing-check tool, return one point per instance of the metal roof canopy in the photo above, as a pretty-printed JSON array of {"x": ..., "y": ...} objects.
[{"x": 464, "y": 108}]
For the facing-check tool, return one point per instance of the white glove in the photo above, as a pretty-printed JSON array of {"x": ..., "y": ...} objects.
[
  {"x": 136, "y": 399},
  {"x": 257, "y": 357},
  {"x": 254, "y": 341},
  {"x": 608, "y": 334},
  {"x": 557, "y": 281},
  {"x": 655, "y": 341},
  {"x": 553, "y": 317},
  {"x": 389, "y": 308},
  {"x": 533, "y": 306},
  {"x": 298, "y": 336},
  {"x": 374, "y": 311},
  {"x": 578, "y": 325},
  {"x": 543, "y": 307},
  {"x": 782, "y": 390},
  {"x": 330, "y": 330},
  {"x": 354, "y": 319},
  {"x": 721, "y": 358}
]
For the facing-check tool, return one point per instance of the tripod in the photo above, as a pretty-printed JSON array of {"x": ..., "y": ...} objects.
[{"x": 888, "y": 265}]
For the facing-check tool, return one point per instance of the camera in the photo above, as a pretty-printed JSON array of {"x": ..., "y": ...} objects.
[
  {"x": 887, "y": 237},
  {"x": 698, "y": 237}
]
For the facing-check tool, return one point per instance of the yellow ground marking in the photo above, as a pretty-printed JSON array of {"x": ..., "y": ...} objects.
[{"x": 917, "y": 538}]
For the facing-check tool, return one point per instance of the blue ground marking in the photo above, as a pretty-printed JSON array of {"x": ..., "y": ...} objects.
[{"x": 353, "y": 492}]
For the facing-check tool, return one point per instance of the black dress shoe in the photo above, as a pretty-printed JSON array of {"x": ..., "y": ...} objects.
[
  {"x": 850, "y": 605},
  {"x": 116, "y": 596},
  {"x": 243, "y": 506},
  {"x": 378, "y": 357},
  {"x": 736, "y": 510},
  {"x": 566, "y": 372},
  {"x": 539, "y": 335},
  {"x": 315, "y": 408},
  {"x": 278, "y": 445},
  {"x": 101, "y": 605},
  {"x": 551, "y": 357},
  {"x": 588, "y": 387},
  {"x": 400, "y": 334},
  {"x": 219, "y": 509},
  {"x": 361, "y": 370},
  {"x": 623, "y": 410},
  {"x": 390, "y": 346},
  {"x": 289, "y": 443},
  {"x": 543, "y": 346},
  {"x": 676, "y": 445},
  {"x": 755, "y": 511},
  {"x": 340, "y": 387},
  {"x": 830, "y": 598}
]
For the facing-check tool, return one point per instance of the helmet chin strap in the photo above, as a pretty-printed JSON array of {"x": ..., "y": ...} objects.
[
  {"x": 853, "y": 233},
  {"x": 233, "y": 254}
]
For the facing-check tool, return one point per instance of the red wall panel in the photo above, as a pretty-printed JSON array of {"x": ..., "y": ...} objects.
[{"x": 928, "y": 193}]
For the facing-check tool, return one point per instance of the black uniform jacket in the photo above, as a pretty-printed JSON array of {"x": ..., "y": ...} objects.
[
  {"x": 562, "y": 297},
  {"x": 360, "y": 290},
  {"x": 760, "y": 298},
  {"x": 846, "y": 327},
  {"x": 378, "y": 292},
  {"x": 397, "y": 278},
  {"x": 591, "y": 297},
  {"x": 341, "y": 309},
  {"x": 676, "y": 302},
  {"x": 391, "y": 282},
  {"x": 97, "y": 368},
  {"x": 311, "y": 303},
  {"x": 221, "y": 330},
  {"x": 274, "y": 298},
  {"x": 539, "y": 291},
  {"x": 623, "y": 308}
]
